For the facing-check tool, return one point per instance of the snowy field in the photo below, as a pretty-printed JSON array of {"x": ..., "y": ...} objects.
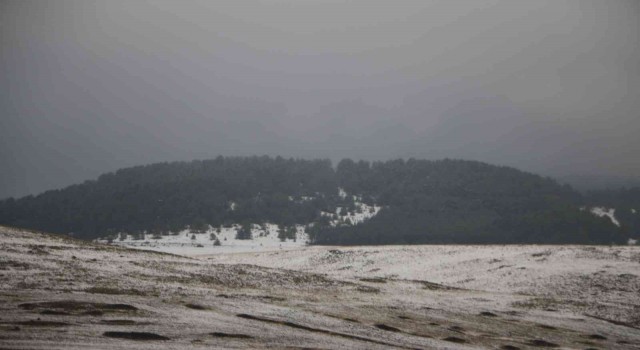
[
  {"x": 591, "y": 275},
  {"x": 59, "y": 293},
  {"x": 186, "y": 242}
]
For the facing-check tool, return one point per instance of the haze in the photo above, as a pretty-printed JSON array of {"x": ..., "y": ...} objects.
[{"x": 88, "y": 87}]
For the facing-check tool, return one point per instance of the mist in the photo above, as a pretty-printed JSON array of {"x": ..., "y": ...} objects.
[{"x": 87, "y": 87}]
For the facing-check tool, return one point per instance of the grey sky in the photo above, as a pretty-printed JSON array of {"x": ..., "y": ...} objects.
[{"x": 91, "y": 86}]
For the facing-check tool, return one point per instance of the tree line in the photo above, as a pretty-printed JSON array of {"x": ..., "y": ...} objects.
[{"x": 424, "y": 201}]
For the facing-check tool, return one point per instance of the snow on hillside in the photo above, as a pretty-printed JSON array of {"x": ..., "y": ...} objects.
[
  {"x": 593, "y": 276},
  {"x": 187, "y": 242},
  {"x": 610, "y": 213},
  {"x": 58, "y": 292},
  {"x": 496, "y": 268},
  {"x": 362, "y": 213},
  {"x": 264, "y": 237}
]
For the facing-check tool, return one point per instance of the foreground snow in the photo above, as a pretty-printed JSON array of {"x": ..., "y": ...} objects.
[
  {"x": 594, "y": 274},
  {"x": 58, "y": 293}
]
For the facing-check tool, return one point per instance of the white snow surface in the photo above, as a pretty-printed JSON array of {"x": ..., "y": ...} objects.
[
  {"x": 561, "y": 275},
  {"x": 320, "y": 297},
  {"x": 496, "y": 268}
]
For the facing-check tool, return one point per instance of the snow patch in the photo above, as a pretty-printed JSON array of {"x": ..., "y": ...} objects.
[
  {"x": 362, "y": 213},
  {"x": 610, "y": 213}
]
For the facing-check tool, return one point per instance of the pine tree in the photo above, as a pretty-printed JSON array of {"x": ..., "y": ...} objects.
[
  {"x": 282, "y": 235},
  {"x": 244, "y": 232}
]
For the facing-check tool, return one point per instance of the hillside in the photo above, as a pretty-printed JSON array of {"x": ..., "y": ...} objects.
[
  {"x": 62, "y": 293},
  {"x": 623, "y": 204},
  {"x": 393, "y": 202}
]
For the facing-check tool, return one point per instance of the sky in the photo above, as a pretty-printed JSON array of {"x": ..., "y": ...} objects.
[{"x": 87, "y": 87}]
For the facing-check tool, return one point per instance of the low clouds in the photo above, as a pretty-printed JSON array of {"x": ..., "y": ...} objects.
[{"x": 91, "y": 86}]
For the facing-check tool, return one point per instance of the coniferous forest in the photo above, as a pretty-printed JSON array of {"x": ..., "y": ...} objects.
[{"x": 423, "y": 202}]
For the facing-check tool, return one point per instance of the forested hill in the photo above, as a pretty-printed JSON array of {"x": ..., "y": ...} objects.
[
  {"x": 624, "y": 202},
  {"x": 445, "y": 201}
]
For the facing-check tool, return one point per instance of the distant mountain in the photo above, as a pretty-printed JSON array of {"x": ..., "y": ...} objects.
[{"x": 405, "y": 201}]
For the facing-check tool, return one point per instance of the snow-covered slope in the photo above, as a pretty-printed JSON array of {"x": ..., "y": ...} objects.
[
  {"x": 567, "y": 278},
  {"x": 60, "y": 293}
]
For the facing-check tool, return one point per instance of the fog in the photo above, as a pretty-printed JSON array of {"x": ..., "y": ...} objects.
[{"x": 88, "y": 87}]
